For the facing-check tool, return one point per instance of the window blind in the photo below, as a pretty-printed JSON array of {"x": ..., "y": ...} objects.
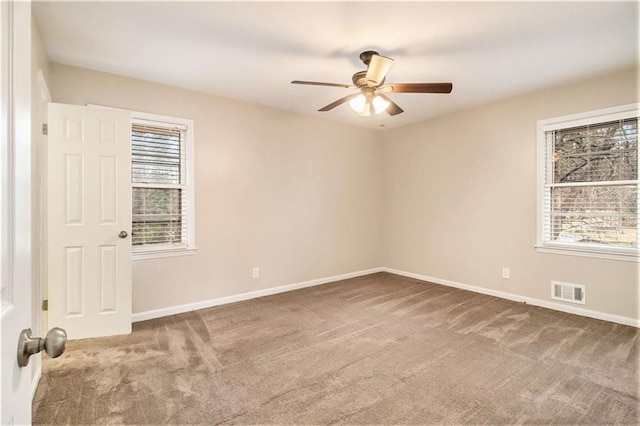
[
  {"x": 591, "y": 185},
  {"x": 157, "y": 155},
  {"x": 158, "y": 176}
]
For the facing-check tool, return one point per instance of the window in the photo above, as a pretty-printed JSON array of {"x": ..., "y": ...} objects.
[
  {"x": 162, "y": 186},
  {"x": 588, "y": 187}
]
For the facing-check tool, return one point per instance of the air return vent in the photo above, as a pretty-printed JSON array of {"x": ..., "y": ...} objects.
[{"x": 573, "y": 293}]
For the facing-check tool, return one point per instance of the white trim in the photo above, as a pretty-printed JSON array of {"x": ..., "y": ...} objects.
[
  {"x": 163, "y": 120},
  {"x": 172, "y": 310},
  {"x": 41, "y": 152},
  {"x": 585, "y": 118},
  {"x": 570, "y": 251},
  {"x": 541, "y": 167},
  {"x": 191, "y": 184},
  {"x": 35, "y": 381},
  {"x": 45, "y": 94},
  {"x": 523, "y": 299},
  {"x": 144, "y": 255}
]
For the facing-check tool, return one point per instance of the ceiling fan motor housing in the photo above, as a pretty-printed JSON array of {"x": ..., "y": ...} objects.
[
  {"x": 359, "y": 79},
  {"x": 366, "y": 56}
]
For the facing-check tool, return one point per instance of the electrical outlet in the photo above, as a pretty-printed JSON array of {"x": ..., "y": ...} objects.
[
  {"x": 255, "y": 273},
  {"x": 506, "y": 273}
]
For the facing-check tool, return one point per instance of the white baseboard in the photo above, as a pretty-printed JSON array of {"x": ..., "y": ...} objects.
[
  {"x": 531, "y": 301},
  {"x": 172, "y": 310}
]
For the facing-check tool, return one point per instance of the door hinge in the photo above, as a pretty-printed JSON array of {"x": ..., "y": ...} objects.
[
  {"x": 45, "y": 129},
  {"x": 45, "y": 305}
]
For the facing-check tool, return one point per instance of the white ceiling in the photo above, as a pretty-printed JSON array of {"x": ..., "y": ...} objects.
[{"x": 250, "y": 51}]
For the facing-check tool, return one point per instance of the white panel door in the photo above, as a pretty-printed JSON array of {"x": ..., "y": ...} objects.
[
  {"x": 89, "y": 220},
  {"x": 15, "y": 210}
]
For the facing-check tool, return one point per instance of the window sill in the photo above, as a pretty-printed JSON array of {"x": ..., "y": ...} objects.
[
  {"x": 144, "y": 255},
  {"x": 572, "y": 251}
]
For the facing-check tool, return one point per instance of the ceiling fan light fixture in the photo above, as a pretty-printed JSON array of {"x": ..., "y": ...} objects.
[
  {"x": 366, "y": 105},
  {"x": 370, "y": 82},
  {"x": 366, "y": 112},
  {"x": 359, "y": 103},
  {"x": 380, "y": 104}
]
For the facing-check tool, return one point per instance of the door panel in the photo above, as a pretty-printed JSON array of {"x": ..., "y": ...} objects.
[
  {"x": 89, "y": 203},
  {"x": 74, "y": 280},
  {"x": 74, "y": 183},
  {"x": 108, "y": 190},
  {"x": 108, "y": 278}
]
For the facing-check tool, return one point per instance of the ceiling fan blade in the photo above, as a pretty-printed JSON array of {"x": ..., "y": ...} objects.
[
  {"x": 419, "y": 88},
  {"x": 319, "y": 83},
  {"x": 393, "y": 108},
  {"x": 340, "y": 101},
  {"x": 377, "y": 70}
]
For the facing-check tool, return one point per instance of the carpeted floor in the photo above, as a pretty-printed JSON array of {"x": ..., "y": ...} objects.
[{"x": 379, "y": 349}]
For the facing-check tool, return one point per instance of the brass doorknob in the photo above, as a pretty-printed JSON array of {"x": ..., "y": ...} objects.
[{"x": 123, "y": 234}]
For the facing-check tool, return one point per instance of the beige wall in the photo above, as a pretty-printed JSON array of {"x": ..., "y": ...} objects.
[
  {"x": 303, "y": 198},
  {"x": 298, "y": 197},
  {"x": 460, "y": 198}
]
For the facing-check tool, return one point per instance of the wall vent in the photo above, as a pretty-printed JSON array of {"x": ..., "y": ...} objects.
[{"x": 566, "y": 292}]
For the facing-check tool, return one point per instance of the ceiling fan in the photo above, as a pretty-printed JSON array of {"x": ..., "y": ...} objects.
[{"x": 371, "y": 97}]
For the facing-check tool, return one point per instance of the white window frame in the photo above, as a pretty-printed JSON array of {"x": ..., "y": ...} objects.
[
  {"x": 565, "y": 122},
  {"x": 164, "y": 251}
]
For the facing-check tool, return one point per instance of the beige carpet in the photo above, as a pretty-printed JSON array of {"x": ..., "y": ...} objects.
[{"x": 380, "y": 349}]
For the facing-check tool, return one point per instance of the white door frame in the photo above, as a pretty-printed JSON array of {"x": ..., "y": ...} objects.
[{"x": 44, "y": 99}]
